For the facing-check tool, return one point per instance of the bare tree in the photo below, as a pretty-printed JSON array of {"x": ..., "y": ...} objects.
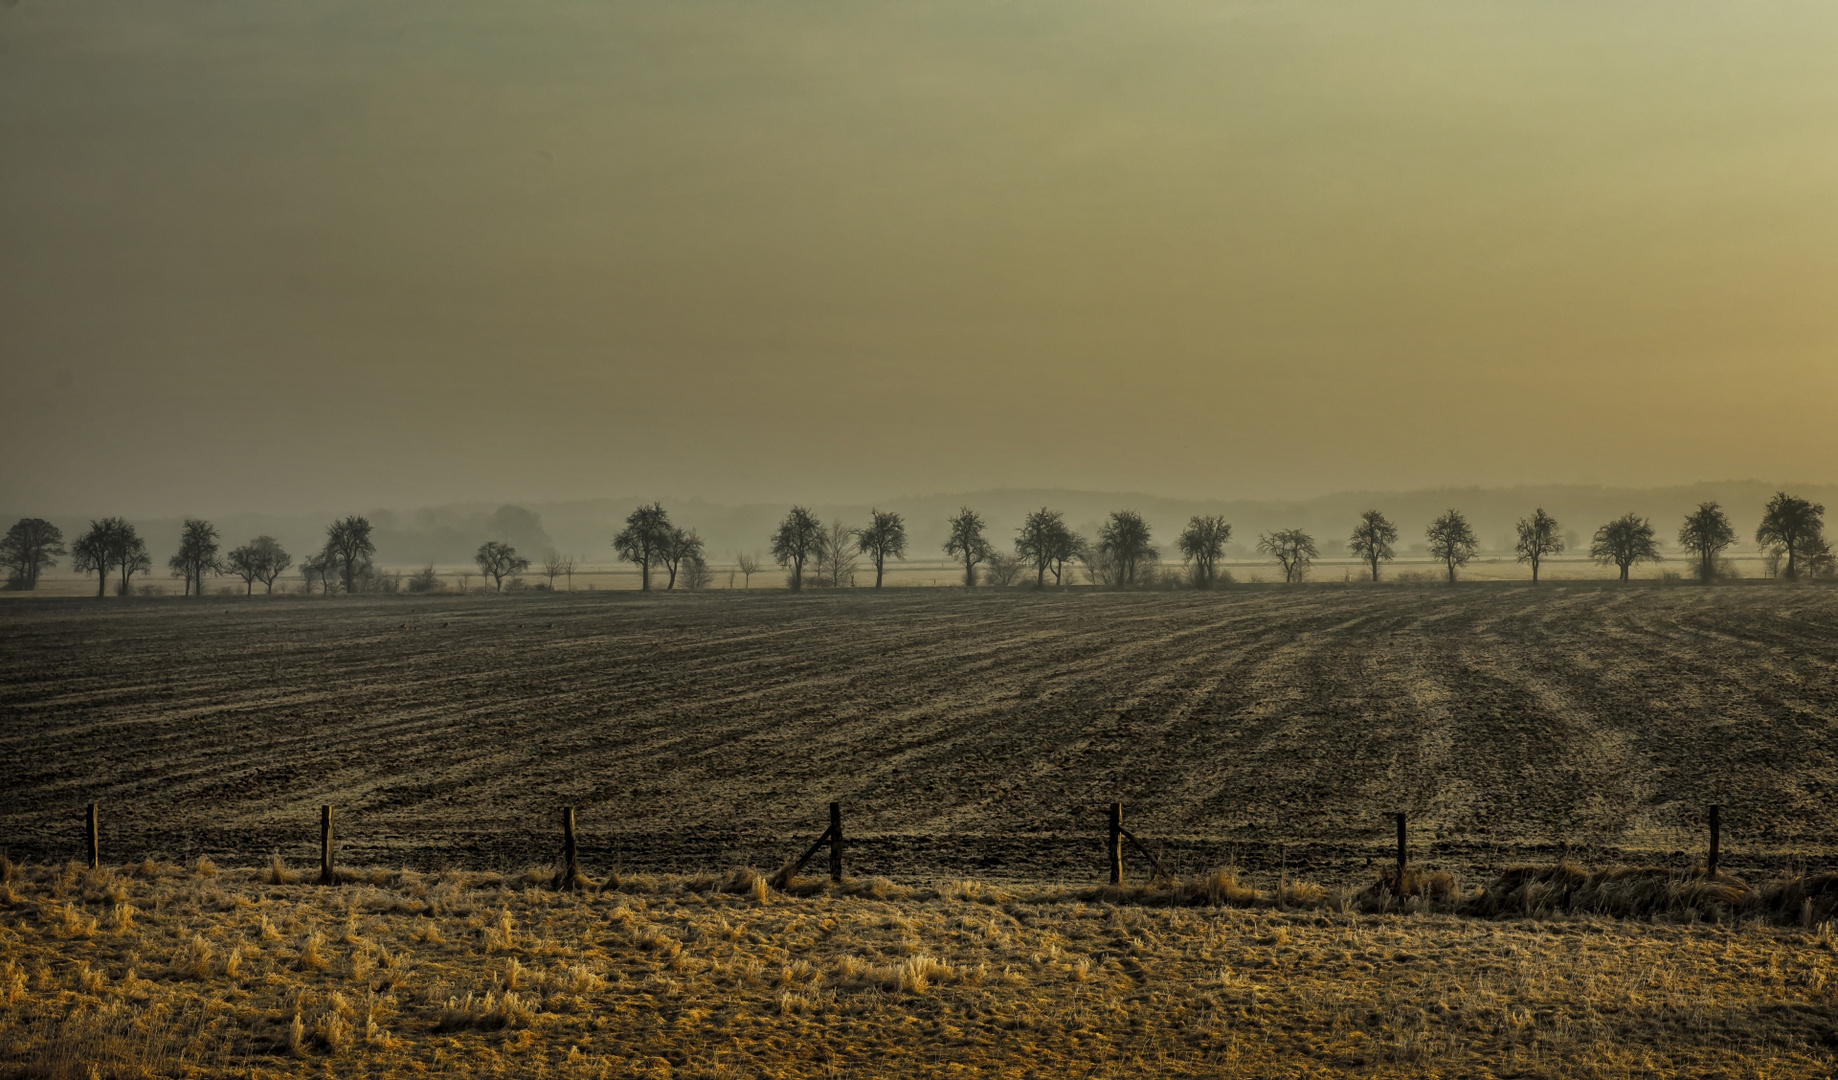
[
  {"x": 197, "y": 555},
  {"x": 677, "y": 548},
  {"x": 275, "y": 560},
  {"x": 1124, "y": 540},
  {"x": 94, "y": 551},
  {"x": 241, "y": 562},
  {"x": 1791, "y": 525},
  {"x": 261, "y": 559},
  {"x": 314, "y": 575},
  {"x": 883, "y": 539},
  {"x": 798, "y": 539},
  {"x": 1202, "y": 543},
  {"x": 1538, "y": 537},
  {"x": 1100, "y": 567},
  {"x": 112, "y": 544},
  {"x": 1074, "y": 548},
  {"x": 465, "y": 581},
  {"x": 1002, "y": 569},
  {"x": 1372, "y": 539},
  {"x": 1623, "y": 542},
  {"x": 1452, "y": 540},
  {"x": 31, "y": 546},
  {"x": 1817, "y": 559},
  {"x": 966, "y": 542},
  {"x": 841, "y": 545},
  {"x": 1705, "y": 533},
  {"x": 647, "y": 531},
  {"x": 1293, "y": 549},
  {"x": 498, "y": 560},
  {"x": 748, "y": 566},
  {"x": 694, "y": 573},
  {"x": 1044, "y": 542},
  {"x": 348, "y": 549},
  {"x": 568, "y": 569},
  {"x": 553, "y": 566}
]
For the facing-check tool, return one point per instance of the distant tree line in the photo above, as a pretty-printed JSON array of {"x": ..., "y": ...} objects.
[{"x": 1791, "y": 538}]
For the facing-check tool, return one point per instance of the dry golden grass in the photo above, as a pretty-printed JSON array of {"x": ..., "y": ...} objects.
[{"x": 164, "y": 970}]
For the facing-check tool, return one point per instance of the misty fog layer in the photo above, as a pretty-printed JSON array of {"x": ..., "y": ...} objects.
[{"x": 274, "y": 258}]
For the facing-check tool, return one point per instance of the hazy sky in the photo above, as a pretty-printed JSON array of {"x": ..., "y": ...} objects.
[{"x": 273, "y": 255}]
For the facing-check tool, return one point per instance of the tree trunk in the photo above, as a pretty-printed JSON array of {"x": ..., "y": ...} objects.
[
  {"x": 644, "y": 575},
  {"x": 1534, "y": 571},
  {"x": 1624, "y": 571},
  {"x": 969, "y": 573},
  {"x": 879, "y": 563},
  {"x": 1375, "y": 568},
  {"x": 102, "y": 583}
]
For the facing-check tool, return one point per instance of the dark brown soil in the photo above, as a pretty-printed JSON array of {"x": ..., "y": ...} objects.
[{"x": 967, "y": 734}]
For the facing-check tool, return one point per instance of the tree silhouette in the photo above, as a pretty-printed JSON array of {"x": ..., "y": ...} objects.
[
  {"x": 1623, "y": 542},
  {"x": 112, "y": 544},
  {"x": 1792, "y": 525},
  {"x": 748, "y": 566},
  {"x": 1044, "y": 542},
  {"x": 1372, "y": 539},
  {"x": 798, "y": 539},
  {"x": 1538, "y": 537},
  {"x": 498, "y": 560},
  {"x": 1202, "y": 543},
  {"x": 1705, "y": 533},
  {"x": 966, "y": 542},
  {"x": 197, "y": 554},
  {"x": 839, "y": 546},
  {"x": 1124, "y": 540},
  {"x": 261, "y": 559},
  {"x": 31, "y": 546},
  {"x": 1293, "y": 549},
  {"x": 348, "y": 549},
  {"x": 678, "y": 548},
  {"x": 883, "y": 539},
  {"x": 646, "y": 532},
  {"x": 94, "y": 552},
  {"x": 1452, "y": 540}
]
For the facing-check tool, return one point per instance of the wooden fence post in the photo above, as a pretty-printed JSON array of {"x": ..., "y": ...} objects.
[
  {"x": 1716, "y": 836},
  {"x": 1116, "y": 843},
  {"x": 1402, "y": 853},
  {"x": 571, "y": 869},
  {"x": 325, "y": 845},
  {"x": 836, "y": 842},
  {"x": 95, "y": 840}
]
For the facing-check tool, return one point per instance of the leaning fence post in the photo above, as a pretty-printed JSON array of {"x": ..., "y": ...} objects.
[
  {"x": 95, "y": 840},
  {"x": 1716, "y": 835},
  {"x": 1116, "y": 843},
  {"x": 1402, "y": 853},
  {"x": 836, "y": 842},
  {"x": 325, "y": 845}
]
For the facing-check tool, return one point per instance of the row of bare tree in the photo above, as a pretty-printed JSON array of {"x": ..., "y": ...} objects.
[{"x": 1791, "y": 536}]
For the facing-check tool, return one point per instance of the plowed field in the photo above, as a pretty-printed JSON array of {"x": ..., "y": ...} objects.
[{"x": 967, "y": 734}]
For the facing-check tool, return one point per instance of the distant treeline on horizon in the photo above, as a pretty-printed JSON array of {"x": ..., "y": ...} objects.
[{"x": 1120, "y": 552}]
